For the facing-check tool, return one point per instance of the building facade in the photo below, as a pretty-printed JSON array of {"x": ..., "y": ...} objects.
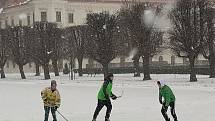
[{"x": 70, "y": 13}]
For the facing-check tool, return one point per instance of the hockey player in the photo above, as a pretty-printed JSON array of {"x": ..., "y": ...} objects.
[
  {"x": 51, "y": 100},
  {"x": 104, "y": 95},
  {"x": 169, "y": 100}
]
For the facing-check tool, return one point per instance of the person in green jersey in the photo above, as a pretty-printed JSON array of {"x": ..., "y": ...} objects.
[
  {"x": 104, "y": 95},
  {"x": 169, "y": 100}
]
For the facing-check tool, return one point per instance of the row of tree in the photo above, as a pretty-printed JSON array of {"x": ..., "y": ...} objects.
[{"x": 107, "y": 36}]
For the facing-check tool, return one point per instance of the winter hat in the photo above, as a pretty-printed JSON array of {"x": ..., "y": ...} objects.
[
  {"x": 110, "y": 75},
  {"x": 53, "y": 82},
  {"x": 161, "y": 82}
]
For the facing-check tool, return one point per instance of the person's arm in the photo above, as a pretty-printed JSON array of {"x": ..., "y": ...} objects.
[
  {"x": 44, "y": 94},
  {"x": 113, "y": 96},
  {"x": 105, "y": 84},
  {"x": 58, "y": 99},
  {"x": 160, "y": 97}
]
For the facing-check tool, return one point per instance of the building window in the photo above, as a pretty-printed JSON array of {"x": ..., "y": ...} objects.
[
  {"x": 71, "y": 17},
  {"x": 58, "y": 16},
  {"x": 20, "y": 22},
  {"x": 43, "y": 16},
  {"x": 0, "y": 24},
  {"x": 160, "y": 58},
  {"x": 184, "y": 61},
  {"x": 29, "y": 20},
  {"x": 30, "y": 65},
  {"x": 173, "y": 60},
  {"x": 12, "y": 22}
]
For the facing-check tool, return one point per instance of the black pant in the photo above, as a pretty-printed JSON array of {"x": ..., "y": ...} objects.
[
  {"x": 164, "y": 112},
  {"x": 47, "y": 110},
  {"x": 100, "y": 105}
]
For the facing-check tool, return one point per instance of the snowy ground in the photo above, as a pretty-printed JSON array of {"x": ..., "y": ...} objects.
[{"x": 20, "y": 99}]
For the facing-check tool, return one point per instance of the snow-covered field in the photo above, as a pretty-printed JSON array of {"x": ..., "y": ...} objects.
[{"x": 20, "y": 99}]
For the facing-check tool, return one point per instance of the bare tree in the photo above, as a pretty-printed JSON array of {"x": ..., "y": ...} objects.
[
  {"x": 142, "y": 33},
  {"x": 4, "y": 50},
  {"x": 209, "y": 49},
  {"x": 37, "y": 68},
  {"x": 79, "y": 36},
  {"x": 187, "y": 36},
  {"x": 19, "y": 45},
  {"x": 103, "y": 44},
  {"x": 69, "y": 49},
  {"x": 43, "y": 44},
  {"x": 57, "y": 48}
]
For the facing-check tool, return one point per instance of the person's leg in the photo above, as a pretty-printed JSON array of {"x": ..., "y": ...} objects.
[
  {"x": 47, "y": 109},
  {"x": 100, "y": 105},
  {"x": 164, "y": 113},
  {"x": 172, "y": 105},
  {"x": 108, "y": 111},
  {"x": 53, "y": 111}
]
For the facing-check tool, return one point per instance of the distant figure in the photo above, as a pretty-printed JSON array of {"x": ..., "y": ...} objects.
[
  {"x": 94, "y": 72},
  {"x": 169, "y": 100},
  {"x": 51, "y": 100},
  {"x": 104, "y": 96},
  {"x": 91, "y": 72}
]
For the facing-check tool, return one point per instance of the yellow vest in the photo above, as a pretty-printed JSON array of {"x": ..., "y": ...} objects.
[{"x": 50, "y": 98}]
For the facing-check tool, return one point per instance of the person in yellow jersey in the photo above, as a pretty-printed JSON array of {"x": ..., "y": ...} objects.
[{"x": 51, "y": 99}]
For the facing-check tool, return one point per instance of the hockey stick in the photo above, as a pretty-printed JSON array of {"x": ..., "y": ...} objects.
[
  {"x": 62, "y": 115},
  {"x": 122, "y": 90},
  {"x": 121, "y": 94}
]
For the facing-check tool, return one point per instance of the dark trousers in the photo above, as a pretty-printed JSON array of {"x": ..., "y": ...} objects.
[
  {"x": 100, "y": 105},
  {"x": 47, "y": 110},
  {"x": 164, "y": 112}
]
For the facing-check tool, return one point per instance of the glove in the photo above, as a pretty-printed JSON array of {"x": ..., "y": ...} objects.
[
  {"x": 56, "y": 107},
  {"x": 160, "y": 100},
  {"x": 114, "y": 97}
]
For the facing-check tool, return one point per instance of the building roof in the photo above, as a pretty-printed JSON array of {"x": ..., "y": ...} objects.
[{"x": 11, "y": 3}]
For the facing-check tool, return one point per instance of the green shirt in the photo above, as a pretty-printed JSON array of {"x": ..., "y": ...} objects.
[
  {"x": 167, "y": 94},
  {"x": 105, "y": 91}
]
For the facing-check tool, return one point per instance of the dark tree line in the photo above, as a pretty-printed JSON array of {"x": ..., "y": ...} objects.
[{"x": 107, "y": 36}]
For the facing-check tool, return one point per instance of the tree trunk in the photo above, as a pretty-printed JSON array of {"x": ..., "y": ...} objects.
[
  {"x": 46, "y": 71},
  {"x": 2, "y": 73},
  {"x": 146, "y": 68},
  {"x": 55, "y": 66},
  {"x": 71, "y": 68},
  {"x": 22, "y": 71},
  {"x": 105, "y": 69},
  {"x": 80, "y": 70},
  {"x": 192, "y": 70},
  {"x": 211, "y": 45},
  {"x": 37, "y": 66},
  {"x": 212, "y": 66},
  {"x": 136, "y": 66}
]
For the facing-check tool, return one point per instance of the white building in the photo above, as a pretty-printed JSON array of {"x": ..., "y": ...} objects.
[{"x": 67, "y": 13}]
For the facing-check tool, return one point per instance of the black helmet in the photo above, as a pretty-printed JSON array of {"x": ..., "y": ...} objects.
[{"x": 109, "y": 75}]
